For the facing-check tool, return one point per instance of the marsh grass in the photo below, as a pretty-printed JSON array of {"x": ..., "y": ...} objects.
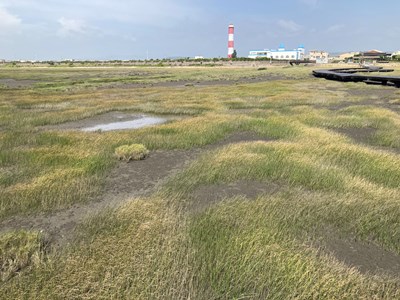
[
  {"x": 239, "y": 248},
  {"x": 19, "y": 250}
]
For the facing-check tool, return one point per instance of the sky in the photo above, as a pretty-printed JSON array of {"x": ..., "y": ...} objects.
[{"x": 131, "y": 29}]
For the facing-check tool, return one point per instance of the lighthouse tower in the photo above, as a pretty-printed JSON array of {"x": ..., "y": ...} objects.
[{"x": 231, "y": 45}]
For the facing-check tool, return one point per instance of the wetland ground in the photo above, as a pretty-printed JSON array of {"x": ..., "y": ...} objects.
[{"x": 263, "y": 184}]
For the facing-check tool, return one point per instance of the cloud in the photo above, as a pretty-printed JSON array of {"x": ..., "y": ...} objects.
[
  {"x": 289, "y": 25},
  {"x": 75, "y": 27},
  {"x": 8, "y": 22},
  {"x": 72, "y": 26},
  {"x": 335, "y": 28},
  {"x": 158, "y": 13}
]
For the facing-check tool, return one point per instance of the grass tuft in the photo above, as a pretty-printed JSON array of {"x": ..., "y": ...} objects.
[{"x": 131, "y": 152}]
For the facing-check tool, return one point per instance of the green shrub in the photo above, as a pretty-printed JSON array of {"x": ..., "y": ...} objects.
[{"x": 131, "y": 152}]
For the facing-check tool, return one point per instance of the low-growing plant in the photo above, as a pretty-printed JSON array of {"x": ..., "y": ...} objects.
[
  {"x": 18, "y": 250},
  {"x": 131, "y": 152}
]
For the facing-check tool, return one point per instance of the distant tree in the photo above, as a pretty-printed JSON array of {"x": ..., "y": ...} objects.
[
  {"x": 396, "y": 57},
  {"x": 234, "y": 54}
]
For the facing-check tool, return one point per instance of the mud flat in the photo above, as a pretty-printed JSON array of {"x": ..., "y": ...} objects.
[{"x": 128, "y": 181}]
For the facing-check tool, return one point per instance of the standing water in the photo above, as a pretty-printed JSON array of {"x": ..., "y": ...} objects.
[{"x": 143, "y": 121}]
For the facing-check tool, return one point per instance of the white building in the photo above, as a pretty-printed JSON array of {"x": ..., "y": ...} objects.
[
  {"x": 280, "y": 54},
  {"x": 320, "y": 57}
]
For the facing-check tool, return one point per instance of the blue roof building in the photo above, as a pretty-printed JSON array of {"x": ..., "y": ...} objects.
[{"x": 280, "y": 54}]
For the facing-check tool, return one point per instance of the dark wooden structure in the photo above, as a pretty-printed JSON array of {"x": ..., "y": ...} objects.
[{"x": 351, "y": 75}]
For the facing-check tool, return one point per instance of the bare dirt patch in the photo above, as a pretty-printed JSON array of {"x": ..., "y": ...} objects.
[
  {"x": 360, "y": 135},
  {"x": 364, "y": 136},
  {"x": 207, "y": 195},
  {"x": 370, "y": 93},
  {"x": 366, "y": 257},
  {"x": 381, "y": 98},
  {"x": 125, "y": 182},
  {"x": 13, "y": 83}
]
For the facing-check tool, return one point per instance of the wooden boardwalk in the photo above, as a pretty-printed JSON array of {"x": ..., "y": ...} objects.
[{"x": 352, "y": 75}]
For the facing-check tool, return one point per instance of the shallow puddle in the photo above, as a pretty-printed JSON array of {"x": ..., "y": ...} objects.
[{"x": 141, "y": 121}]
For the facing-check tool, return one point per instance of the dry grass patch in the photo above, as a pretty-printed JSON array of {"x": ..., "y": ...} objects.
[{"x": 19, "y": 250}]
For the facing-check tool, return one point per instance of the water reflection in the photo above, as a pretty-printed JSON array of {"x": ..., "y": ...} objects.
[{"x": 143, "y": 121}]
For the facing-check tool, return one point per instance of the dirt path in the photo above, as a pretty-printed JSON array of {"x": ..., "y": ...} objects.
[
  {"x": 199, "y": 83},
  {"x": 367, "y": 258},
  {"x": 126, "y": 181}
]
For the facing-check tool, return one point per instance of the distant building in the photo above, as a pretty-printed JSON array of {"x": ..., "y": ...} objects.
[
  {"x": 347, "y": 57},
  {"x": 199, "y": 57},
  {"x": 320, "y": 57},
  {"x": 368, "y": 56},
  {"x": 372, "y": 56},
  {"x": 280, "y": 54}
]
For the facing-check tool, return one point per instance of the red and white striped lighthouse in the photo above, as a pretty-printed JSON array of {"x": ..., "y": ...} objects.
[{"x": 231, "y": 45}]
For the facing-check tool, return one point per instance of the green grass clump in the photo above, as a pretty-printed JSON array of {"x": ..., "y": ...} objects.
[{"x": 131, "y": 152}]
